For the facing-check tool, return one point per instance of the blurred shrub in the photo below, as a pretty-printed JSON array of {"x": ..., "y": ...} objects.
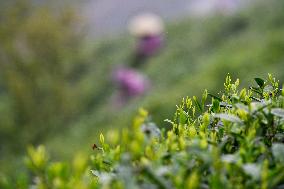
[
  {"x": 40, "y": 64},
  {"x": 236, "y": 141}
]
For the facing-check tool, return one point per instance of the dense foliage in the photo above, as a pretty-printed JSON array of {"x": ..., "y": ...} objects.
[
  {"x": 236, "y": 141},
  {"x": 55, "y": 86},
  {"x": 37, "y": 73},
  {"x": 40, "y": 68}
]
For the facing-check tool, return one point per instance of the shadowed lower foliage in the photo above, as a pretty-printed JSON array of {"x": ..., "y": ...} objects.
[{"x": 231, "y": 141}]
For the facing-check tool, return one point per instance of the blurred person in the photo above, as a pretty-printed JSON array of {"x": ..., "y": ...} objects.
[
  {"x": 148, "y": 29},
  {"x": 130, "y": 83}
]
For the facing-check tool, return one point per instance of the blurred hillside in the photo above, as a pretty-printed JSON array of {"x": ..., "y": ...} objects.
[
  {"x": 198, "y": 54},
  {"x": 55, "y": 86}
]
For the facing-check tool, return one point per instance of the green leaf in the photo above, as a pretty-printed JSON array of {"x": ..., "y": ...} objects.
[
  {"x": 169, "y": 121},
  {"x": 253, "y": 170},
  {"x": 195, "y": 100},
  {"x": 278, "y": 151},
  {"x": 229, "y": 117},
  {"x": 215, "y": 97},
  {"x": 95, "y": 173},
  {"x": 229, "y": 158},
  {"x": 204, "y": 97},
  {"x": 260, "y": 82},
  {"x": 102, "y": 138},
  {"x": 256, "y": 90},
  {"x": 183, "y": 117},
  {"x": 215, "y": 105},
  {"x": 278, "y": 112},
  {"x": 268, "y": 89},
  {"x": 242, "y": 107}
]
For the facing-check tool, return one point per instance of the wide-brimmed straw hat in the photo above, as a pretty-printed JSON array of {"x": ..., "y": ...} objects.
[{"x": 146, "y": 24}]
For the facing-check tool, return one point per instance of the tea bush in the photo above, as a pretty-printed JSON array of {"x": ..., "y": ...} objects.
[
  {"x": 235, "y": 141},
  {"x": 56, "y": 91}
]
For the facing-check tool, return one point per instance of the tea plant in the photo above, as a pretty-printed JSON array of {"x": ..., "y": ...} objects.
[{"x": 235, "y": 141}]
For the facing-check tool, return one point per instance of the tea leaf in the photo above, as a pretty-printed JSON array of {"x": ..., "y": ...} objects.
[
  {"x": 260, "y": 82},
  {"x": 229, "y": 117},
  {"x": 278, "y": 151},
  {"x": 278, "y": 112}
]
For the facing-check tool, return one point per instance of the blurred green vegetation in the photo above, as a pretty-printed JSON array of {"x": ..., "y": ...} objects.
[
  {"x": 236, "y": 141},
  {"x": 40, "y": 65},
  {"x": 55, "y": 85},
  {"x": 198, "y": 54}
]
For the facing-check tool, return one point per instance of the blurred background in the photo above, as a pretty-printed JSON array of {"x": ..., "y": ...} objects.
[{"x": 72, "y": 69}]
